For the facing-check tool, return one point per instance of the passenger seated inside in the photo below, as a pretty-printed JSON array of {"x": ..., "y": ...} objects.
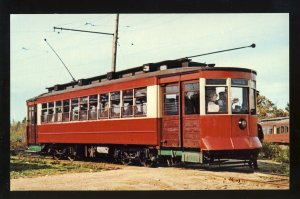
[
  {"x": 222, "y": 102},
  {"x": 104, "y": 111},
  {"x": 212, "y": 106},
  {"x": 235, "y": 106},
  {"x": 93, "y": 112},
  {"x": 128, "y": 110}
]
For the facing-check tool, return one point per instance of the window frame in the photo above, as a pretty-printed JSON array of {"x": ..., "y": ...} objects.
[
  {"x": 111, "y": 113},
  {"x": 102, "y": 109},
  {"x": 143, "y": 106},
  {"x": 130, "y": 108}
]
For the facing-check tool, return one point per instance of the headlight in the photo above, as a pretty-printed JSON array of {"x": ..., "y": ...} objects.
[{"x": 242, "y": 123}]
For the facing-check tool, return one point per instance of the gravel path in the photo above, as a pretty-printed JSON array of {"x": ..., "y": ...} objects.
[{"x": 142, "y": 178}]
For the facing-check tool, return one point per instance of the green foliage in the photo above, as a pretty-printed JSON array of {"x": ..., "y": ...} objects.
[
  {"x": 17, "y": 134},
  {"x": 267, "y": 109},
  {"x": 276, "y": 152}
]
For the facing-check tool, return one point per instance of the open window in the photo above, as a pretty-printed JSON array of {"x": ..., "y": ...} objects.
[
  {"x": 115, "y": 104},
  {"x": 66, "y": 111},
  {"x": 74, "y": 109},
  {"x": 127, "y": 108},
  {"x": 58, "y": 111},
  {"x": 93, "y": 103},
  {"x": 44, "y": 113},
  {"x": 103, "y": 105},
  {"x": 140, "y": 98},
  {"x": 50, "y": 116},
  {"x": 83, "y": 108}
]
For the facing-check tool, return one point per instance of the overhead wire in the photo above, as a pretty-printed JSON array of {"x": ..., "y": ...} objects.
[{"x": 55, "y": 39}]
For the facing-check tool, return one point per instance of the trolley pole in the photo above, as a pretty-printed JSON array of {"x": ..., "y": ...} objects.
[{"x": 115, "y": 41}]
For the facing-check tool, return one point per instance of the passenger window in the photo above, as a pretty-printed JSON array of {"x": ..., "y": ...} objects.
[
  {"x": 191, "y": 98},
  {"x": 83, "y": 108},
  {"x": 127, "y": 109},
  {"x": 270, "y": 130},
  {"x": 140, "y": 97},
  {"x": 171, "y": 100},
  {"x": 50, "y": 116},
  {"x": 66, "y": 111},
  {"x": 103, "y": 106},
  {"x": 58, "y": 111},
  {"x": 282, "y": 129},
  {"x": 115, "y": 104},
  {"x": 74, "y": 109},
  {"x": 278, "y": 130},
  {"x": 93, "y": 103},
  {"x": 44, "y": 113}
]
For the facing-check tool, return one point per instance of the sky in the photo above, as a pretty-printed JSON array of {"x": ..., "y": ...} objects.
[{"x": 143, "y": 38}]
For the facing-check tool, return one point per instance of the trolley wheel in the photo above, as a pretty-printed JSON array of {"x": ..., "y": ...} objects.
[
  {"x": 125, "y": 161},
  {"x": 146, "y": 163},
  {"x": 57, "y": 155},
  {"x": 71, "y": 157}
]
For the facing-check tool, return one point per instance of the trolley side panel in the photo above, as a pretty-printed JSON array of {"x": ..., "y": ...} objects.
[{"x": 131, "y": 131}]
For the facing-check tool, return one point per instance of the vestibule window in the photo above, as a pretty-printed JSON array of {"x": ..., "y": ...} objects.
[
  {"x": 191, "y": 98},
  {"x": 239, "y": 96},
  {"x": 171, "y": 100},
  {"x": 216, "y": 93},
  {"x": 253, "y": 97}
]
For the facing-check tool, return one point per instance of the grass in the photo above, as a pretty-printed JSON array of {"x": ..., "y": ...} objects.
[{"x": 33, "y": 167}]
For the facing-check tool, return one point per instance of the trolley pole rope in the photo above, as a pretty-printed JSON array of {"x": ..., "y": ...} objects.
[{"x": 60, "y": 60}]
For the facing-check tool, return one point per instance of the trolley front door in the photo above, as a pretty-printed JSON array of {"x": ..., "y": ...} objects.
[
  {"x": 31, "y": 124},
  {"x": 171, "y": 124}
]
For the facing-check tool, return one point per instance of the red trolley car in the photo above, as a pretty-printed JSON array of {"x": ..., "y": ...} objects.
[
  {"x": 276, "y": 130},
  {"x": 175, "y": 110}
]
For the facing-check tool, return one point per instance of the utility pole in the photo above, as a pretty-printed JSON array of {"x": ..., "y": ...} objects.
[{"x": 115, "y": 41}]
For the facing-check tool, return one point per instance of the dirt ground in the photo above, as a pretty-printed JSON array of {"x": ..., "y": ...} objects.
[{"x": 161, "y": 178}]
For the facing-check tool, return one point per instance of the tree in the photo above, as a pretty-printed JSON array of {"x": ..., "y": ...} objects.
[
  {"x": 267, "y": 109},
  {"x": 287, "y": 108}
]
